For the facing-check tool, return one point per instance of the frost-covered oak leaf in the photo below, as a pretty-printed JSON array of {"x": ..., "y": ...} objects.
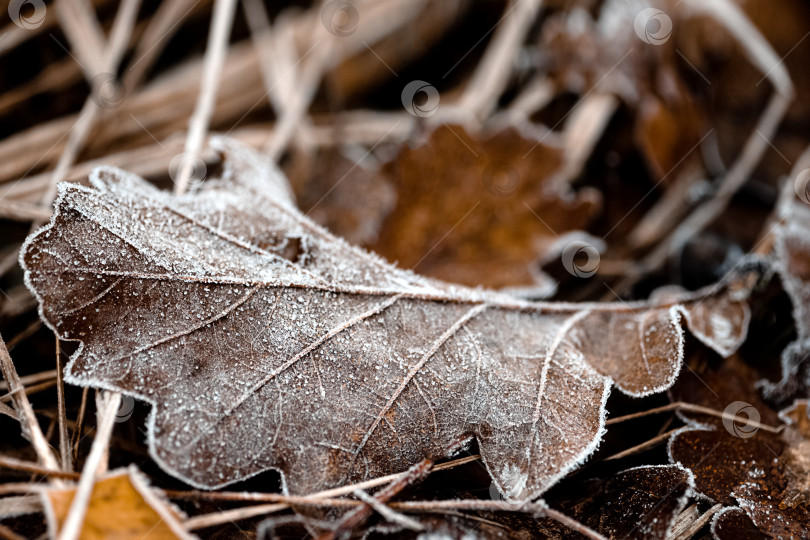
[{"x": 264, "y": 342}]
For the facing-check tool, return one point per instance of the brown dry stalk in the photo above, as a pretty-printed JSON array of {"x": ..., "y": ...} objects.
[
  {"x": 28, "y": 419},
  {"x": 680, "y": 405},
  {"x": 28, "y": 466},
  {"x": 93, "y": 466},
  {"x": 64, "y": 438},
  {"x": 221, "y": 23}
]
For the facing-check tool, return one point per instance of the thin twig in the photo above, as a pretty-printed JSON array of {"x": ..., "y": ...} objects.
[
  {"x": 573, "y": 524},
  {"x": 18, "y": 338},
  {"x": 33, "y": 389},
  {"x": 280, "y": 502},
  {"x": 221, "y": 23},
  {"x": 493, "y": 71},
  {"x": 237, "y": 514},
  {"x": 77, "y": 432},
  {"x": 359, "y": 516},
  {"x": 24, "y": 409},
  {"x": 28, "y": 466},
  {"x": 292, "y": 499},
  {"x": 386, "y": 512},
  {"x": 683, "y": 406},
  {"x": 643, "y": 446},
  {"x": 64, "y": 438},
  {"x": 108, "y": 405},
  {"x": 111, "y": 54},
  {"x": 34, "y": 378},
  {"x": 699, "y": 523},
  {"x": 765, "y": 58}
]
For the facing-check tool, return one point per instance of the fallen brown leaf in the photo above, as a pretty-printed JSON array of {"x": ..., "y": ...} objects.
[
  {"x": 793, "y": 266},
  {"x": 263, "y": 342},
  {"x": 732, "y": 523},
  {"x": 735, "y": 463},
  {"x": 480, "y": 211},
  {"x": 121, "y": 506}
]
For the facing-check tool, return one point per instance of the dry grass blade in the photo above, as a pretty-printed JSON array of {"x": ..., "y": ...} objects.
[
  {"x": 695, "y": 526},
  {"x": 8, "y": 411},
  {"x": 680, "y": 405},
  {"x": 33, "y": 389},
  {"x": 643, "y": 446},
  {"x": 77, "y": 434},
  {"x": 95, "y": 465},
  {"x": 31, "y": 379},
  {"x": 161, "y": 27},
  {"x": 354, "y": 519},
  {"x": 28, "y": 419},
  {"x": 20, "y": 505},
  {"x": 78, "y": 20},
  {"x": 110, "y": 53},
  {"x": 763, "y": 56},
  {"x": 27, "y": 466},
  {"x": 64, "y": 438},
  {"x": 212, "y": 70},
  {"x": 495, "y": 68}
]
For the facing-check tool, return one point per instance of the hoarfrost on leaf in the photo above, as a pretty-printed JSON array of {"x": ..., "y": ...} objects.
[{"x": 264, "y": 342}]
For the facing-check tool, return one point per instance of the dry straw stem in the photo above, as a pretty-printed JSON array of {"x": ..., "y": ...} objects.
[
  {"x": 764, "y": 57},
  {"x": 159, "y": 110},
  {"x": 64, "y": 437},
  {"x": 212, "y": 68},
  {"x": 84, "y": 33},
  {"x": 28, "y": 466},
  {"x": 356, "y": 518},
  {"x": 94, "y": 466},
  {"x": 495, "y": 68},
  {"x": 33, "y": 389},
  {"x": 689, "y": 528},
  {"x": 682, "y": 406},
  {"x": 28, "y": 419}
]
